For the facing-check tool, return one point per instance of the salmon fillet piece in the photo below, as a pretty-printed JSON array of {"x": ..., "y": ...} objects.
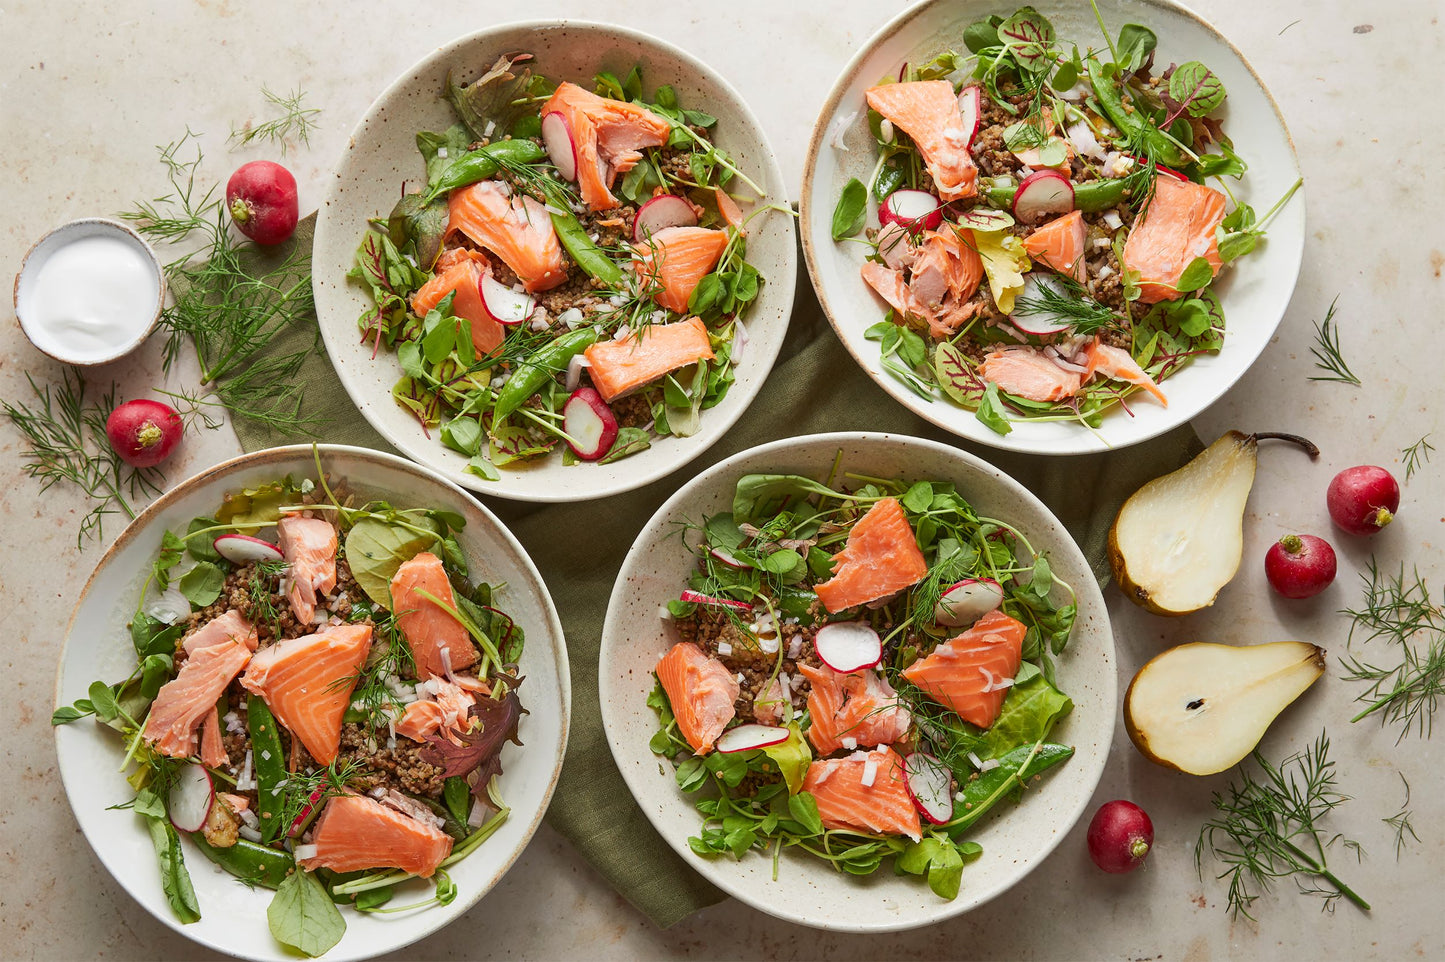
[
  {"x": 1059, "y": 244},
  {"x": 964, "y": 674},
  {"x": 880, "y": 557},
  {"x": 702, "y": 692},
  {"x": 845, "y": 803},
  {"x": 230, "y": 626},
  {"x": 1176, "y": 227},
  {"x": 462, "y": 271},
  {"x": 307, "y": 684},
  {"x": 860, "y": 706},
  {"x": 446, "y": 711},
  {"x": 182, "y": 704},
  {"x": 354, "y": 833},
  {"x": 607, "y": 138},
  {"x": 675, "y": 260},
  {"x": 439, "y": 643},
  {"x": 1119, "y": 364},
  {"x": 619, "y": 367},
  {"x": 928, "y": 112},
  {"x": 213, "y": 749},
  {"x": 1027, "y": 373},
  {"x": 515, "y": 227},
  {"x": 309, "y": 545}
]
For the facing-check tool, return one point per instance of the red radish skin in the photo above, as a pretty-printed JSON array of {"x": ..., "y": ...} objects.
[
  {"x": 698, "y": 598},
  {"x": 1363, "y": 499},
  {"x": 261, "y": 197},
  {"x": 1120, "y": 836},
  {"x": 746, "y": 738},
  {"x": 502, "y": 304},
  {"x": 848, "y": 646},
  {"x": 192, "y": 794},
  {"x": 303, "y": 818},
  {"x": 590, "y": 423},
  {"x": 662, "y": 211},
  {"x": 1043, "y": 193},
  {"x": 144, "y": 432},
  {"x": 930, "y": 787},
  {"x": 1300, "y": 565},
  {"x": 561, "y": 147},
  {"x": 913, "y": 210},
  {"x": 970, "y": 104}
]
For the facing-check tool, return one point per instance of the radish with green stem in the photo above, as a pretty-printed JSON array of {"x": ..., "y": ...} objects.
[
  {"x": 1300, "y": 565},
  {"x": 144, "y": 432},
  {"x": 1363, "y": 499},
  {"x": 1120, "y": 836}
]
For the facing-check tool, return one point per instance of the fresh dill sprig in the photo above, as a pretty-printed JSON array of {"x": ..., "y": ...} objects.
[
  {"x": 372, "y": 695},
  {"x": 66, "y": 441},
  {"x": 1327, "y": 351},
  {"x": 229, "y": 301},
  {"x": 1416, "y": 455},
  {"x": 295, "y": 118},
  {"x": 1400, "y": 821},
  {"x": 262, "y": 590},
  {"x": 1066, "y": 298},
  {"x": 1268, "y": 828},
  {"x": 1398, "y": 610}
]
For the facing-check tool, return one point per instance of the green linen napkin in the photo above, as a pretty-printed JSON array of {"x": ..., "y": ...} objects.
[{"x": 814, "y": 387}]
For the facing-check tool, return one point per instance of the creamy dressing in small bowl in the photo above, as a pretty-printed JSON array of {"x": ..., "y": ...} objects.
[{"x": 89, "y": 292}]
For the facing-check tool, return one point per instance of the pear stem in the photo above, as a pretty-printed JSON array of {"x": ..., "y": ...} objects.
[{"x": 1305, "y": 443}]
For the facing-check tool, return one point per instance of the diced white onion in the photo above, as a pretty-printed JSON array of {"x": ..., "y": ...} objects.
[
  {"x": 740, "y": 678},
  {"x": 477, "y": 816},
  {"x": 724, "y": 649},
  {"x": 1112, "y": 220},
  {"x": 795, "y": 647},
  {"x": 442, "y": 152},
  {"x": 870, "y": 772},
  {"x": 249, "y": 834},
  {"x": 989, "y": 765},
  {"x": 169, "y": 607},
  {"x": 303, "y": 852},
  {"x": 740, "y": 340},
  {"x": 571, "y": 317},
  {"x": 840, "y": 127},
  {"x": 769, "y": 643},
  {"x": 974, "y": 760},
  {"x": 849, "y": 743}
]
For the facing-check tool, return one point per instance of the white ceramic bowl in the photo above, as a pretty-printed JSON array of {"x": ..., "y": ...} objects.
[
  {"x": 807, "y": 890},
  {"x": 233, "y": 917},
  {"x": 382, "y": 154},
  {"x": 1255, "y": 289}
]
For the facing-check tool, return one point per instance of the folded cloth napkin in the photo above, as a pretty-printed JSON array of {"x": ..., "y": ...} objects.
[{"x": 814, "y": 387}]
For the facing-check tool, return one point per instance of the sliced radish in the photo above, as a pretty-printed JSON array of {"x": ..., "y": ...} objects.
[
  {"x": 846, "y": 646},
  {"x": 970, "y": 104},
  {"x": 930, "y": 786},
  {"x": 1033, "y": 319},
  {"x": 727, "y": 558},
  {"x": 561, "y": 147},
  {"x": 745, "y": 738},
  {"x": 242, "y": 549},
  {"x": 913, "y": 209},
  {"x": 967, "y": 601},
  {"x": 664, "y": 210},
  {"x": 698, "y": 598},
  {"x": 590, "y": 423},
  {"x": 985, "y": 219},
  {"x": 1042, "y": 193},
  {"x": 191, "y": 797},
  {"x": 307, "y": 813},
  {"x": 504, "y": 305}
]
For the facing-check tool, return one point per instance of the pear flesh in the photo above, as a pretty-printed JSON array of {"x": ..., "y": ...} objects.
[
  {"x": 1201, "y": 708},
  {"x": 1178, "y": 540}
]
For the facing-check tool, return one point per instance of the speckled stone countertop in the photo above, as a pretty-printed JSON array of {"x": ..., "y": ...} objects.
[{"x": 87, "y": 89}]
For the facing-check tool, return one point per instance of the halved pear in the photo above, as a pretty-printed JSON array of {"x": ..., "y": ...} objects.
[
  {"x": 1201, "y": 708},
  {"x": 1177, "y": 541}
]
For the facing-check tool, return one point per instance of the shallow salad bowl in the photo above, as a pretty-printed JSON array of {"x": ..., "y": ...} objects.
[
  {"x": 381, "y": 155},
  {"x": 1255, "y": 290},
  {"x": 97, "y": 645},
  {"x": 808, "y": 890}
]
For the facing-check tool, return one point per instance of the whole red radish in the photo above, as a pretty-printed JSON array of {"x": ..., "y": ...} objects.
[
  {"x": 143, "y": 432},
  {"x": 261, "y": 197},
  {"x": 1120, "y": 836},
  {"x": 1300, "y": 565},
  {"x": 1364, "y": 499}
]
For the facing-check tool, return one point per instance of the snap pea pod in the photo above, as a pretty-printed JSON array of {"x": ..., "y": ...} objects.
[
  {"x": 482, "y": 163},
  {"x": 252, "y": 863},
  {"x": 588, "y": 255},
  {"x": 269, "y": 765},
  {"x": 1089, "y": 197},
  {"x": 532, "y": 373},
  {"x": 1132, "y": 124}
]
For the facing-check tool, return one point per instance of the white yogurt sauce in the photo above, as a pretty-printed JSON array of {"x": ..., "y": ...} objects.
[{"x": 91, "y": 298}]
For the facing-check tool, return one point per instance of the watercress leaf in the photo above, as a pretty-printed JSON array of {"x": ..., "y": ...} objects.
[
  {"x": 1197, "y": 274},
  {"x": 945, "y": 872},
  {"x": 1234, "y": 246},
  {"x": 483, "y": 468},
  {"x": 69, "y": 713},
  {"x": 991, "y": 412},
  {"x": 153, "y": 637},
  {"x": 1240, "y": 219},
  {"x": 758, "y": 497},
  {"x": 632, "y": 86},
  {"x": 1135, "y": 44},
  {"x": 373, "y": 899},
  {"x": 890, "y": 178},
  {"x": 463, "y": 435},
  {"x": 175, "y": 880},
  {"x": 172, "y": 547},
  {"x": 919, "y": 497},
  {"x": 302, "y": 915},
  {"x": 691, "y": 774},
  {"x": 1196, "y": 88},
  {"x": 376, "y": 548},
  {"x": 1226, "y": 163},
  {"x": 982, "y": 34},
  {"x": 102, "y": 698},
  {"x": 699, "y": 118},
  {"x": 803, "y": 808},
  {"x": 202, "y": 584},
  {"x": 155, "y": 672},
  {"x": 852, "y": 209},
  {"x": 202, "y": 547},
  {"x": 911, "y": 347},
  {"x": 1066, "y": 76}
]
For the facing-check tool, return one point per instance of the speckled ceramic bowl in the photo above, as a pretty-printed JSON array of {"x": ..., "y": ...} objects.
[
  {"x": 807, "y": 890},
  {"x": 382, "y": 155},
  {"x": 97, "y": 645},
  {"x": 1255, "y": 290}
]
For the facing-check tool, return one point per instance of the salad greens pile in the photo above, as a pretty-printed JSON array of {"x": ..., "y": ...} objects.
[{"x": 778, "y": 541}]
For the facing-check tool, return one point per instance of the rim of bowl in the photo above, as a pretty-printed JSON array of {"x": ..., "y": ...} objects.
[
  {"x": 930, "y": 411},
  {"x": 554, "y": 625},
  {"x": 971, "y": 463},
  {"x": 785, "y": 283},
  {"x": 133, "y": 237}
]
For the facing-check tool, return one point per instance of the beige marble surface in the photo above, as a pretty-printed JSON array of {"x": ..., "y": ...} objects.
[{"x": 87, "y": 88}]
